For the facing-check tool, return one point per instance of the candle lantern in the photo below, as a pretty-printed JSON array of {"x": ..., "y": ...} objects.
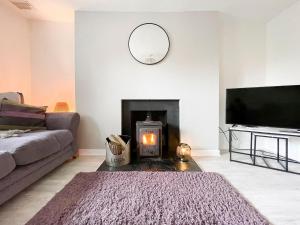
[{"x": 183, "y": 152}]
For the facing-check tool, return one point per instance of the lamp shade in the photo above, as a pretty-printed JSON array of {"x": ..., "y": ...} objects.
[{"x": 61, "y": 107}]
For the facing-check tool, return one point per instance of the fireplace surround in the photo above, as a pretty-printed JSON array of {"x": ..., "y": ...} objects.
[{"x": 164, "y": 114}]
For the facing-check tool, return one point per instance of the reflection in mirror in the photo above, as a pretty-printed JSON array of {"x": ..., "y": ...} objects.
[{"x": 149, "y": 43}]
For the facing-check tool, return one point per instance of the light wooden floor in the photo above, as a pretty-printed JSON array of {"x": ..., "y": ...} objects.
[{"x": 275, "y": 194}]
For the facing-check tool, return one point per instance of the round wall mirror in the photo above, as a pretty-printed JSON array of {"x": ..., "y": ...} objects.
[{"x": 149, "y": 43}]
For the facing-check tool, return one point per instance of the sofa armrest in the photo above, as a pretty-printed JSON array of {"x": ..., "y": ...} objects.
[{"x": 67, "y": 121}]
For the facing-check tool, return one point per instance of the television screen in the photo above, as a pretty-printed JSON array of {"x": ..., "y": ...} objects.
[{"x": 264, "y": 106}]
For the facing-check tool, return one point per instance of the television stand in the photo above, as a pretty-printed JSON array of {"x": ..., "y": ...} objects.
[{"x": 253, "y": 154}]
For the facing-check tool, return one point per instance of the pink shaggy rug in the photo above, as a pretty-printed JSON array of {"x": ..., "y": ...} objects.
[{"x": 148, "y": 198}]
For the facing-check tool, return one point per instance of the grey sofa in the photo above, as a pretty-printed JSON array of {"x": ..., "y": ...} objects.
[{"x": 27, "y": 158}]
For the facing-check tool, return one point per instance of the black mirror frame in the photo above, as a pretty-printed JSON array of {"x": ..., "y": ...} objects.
[{"x": 143, "y": 24}]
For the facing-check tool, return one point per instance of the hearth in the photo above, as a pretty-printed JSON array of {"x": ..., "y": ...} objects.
[{"x": 149, "y": 138}]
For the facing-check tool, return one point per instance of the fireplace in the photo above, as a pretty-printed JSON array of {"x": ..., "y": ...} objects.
[
  {"x": 153, "y": 126},
  {"x": 149, "y": 138}
]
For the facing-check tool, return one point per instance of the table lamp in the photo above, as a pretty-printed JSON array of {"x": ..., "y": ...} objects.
[{"x": 61, "y": 107}]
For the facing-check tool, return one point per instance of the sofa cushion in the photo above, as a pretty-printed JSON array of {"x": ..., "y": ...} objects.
[
  {"x": 20, "y": 116},
  {"x": 33, "y": 146},
  {"x": 13, "y": 96},
  {"x": 7, "y": 164}
]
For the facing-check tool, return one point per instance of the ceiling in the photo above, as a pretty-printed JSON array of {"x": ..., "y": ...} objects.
[{"x": 63, "y": 10}]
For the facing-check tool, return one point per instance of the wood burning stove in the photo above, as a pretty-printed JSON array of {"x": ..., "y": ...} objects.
[{"x": 149, "y": 138}]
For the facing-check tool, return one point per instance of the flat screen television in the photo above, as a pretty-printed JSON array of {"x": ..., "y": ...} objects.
[{"x": 264, "y": 106}]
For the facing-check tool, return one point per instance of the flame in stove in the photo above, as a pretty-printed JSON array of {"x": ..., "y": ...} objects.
[
  {"x": 149, "y": 139},
  {"x": 144, "y": 139}
]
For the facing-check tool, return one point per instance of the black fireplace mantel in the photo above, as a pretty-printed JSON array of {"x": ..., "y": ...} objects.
[{"x": 166, "y": 111}]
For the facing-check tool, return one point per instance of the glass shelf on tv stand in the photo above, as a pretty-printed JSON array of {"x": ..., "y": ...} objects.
[
  {"x": 267, "y": 130},
  {"x": 264, "y": 158}
]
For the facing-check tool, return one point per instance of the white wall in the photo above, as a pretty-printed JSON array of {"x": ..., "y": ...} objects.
[
  {"x": 106, "y": 73},
  {"x": 242, "y": 60},
  {"x": 283, "y": 55},
  {"x": 14, "y": 52},
  {"x": 52, "y": 62},
  {"x": 36, "y": 58},
  {"x": 283, "y": 48}
]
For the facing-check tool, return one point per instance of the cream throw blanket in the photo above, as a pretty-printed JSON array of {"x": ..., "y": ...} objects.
[{"x": 11, "y": 133}]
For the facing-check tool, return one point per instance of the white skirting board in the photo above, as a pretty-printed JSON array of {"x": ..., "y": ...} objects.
[
  {"x": 206, "y": 153},
  {"x": 101, "y": 152}
]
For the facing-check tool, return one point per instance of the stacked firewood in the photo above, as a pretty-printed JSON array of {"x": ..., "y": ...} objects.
[{"x": 116, "y": 144}]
